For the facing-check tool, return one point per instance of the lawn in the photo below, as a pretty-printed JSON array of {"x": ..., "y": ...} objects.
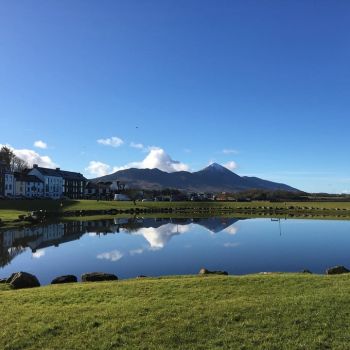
[
  {"x": 277, "y": 311},
  {"x": 10, "y": 209}
]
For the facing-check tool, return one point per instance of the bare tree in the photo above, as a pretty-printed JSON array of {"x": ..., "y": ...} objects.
[
  {"x": 11, "y": 161},
  {"x": 19, "y": 164}
]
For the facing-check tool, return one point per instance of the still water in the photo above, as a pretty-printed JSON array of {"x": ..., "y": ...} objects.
[{"x": 154, "y": 247}]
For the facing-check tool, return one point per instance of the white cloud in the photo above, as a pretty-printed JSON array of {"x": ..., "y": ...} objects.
[
  {"x": 231, "y": 230},
  {"x": 40, "y": 144},
  {"x": 111, "y": 141},
  {"x": 156, "y": 158},
  {"x": 231, "y": 165},
  {"x": 98, "y": 169},
  {"x": 113, "y": 255},
  {"x": 137, "y": 145},
  {"x": 38, "y": 254},
  {"x": 32, "y": 157},
  {"x": 229, "y": 151}
]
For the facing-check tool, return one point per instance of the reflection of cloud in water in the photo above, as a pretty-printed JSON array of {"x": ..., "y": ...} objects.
[
  {"x": 38, "y": 254},
  {"x": 136, "y": 251},
  {"x": 232, "y": 230},
  {"x": 231, "y": 245},
  {"x": 160, "y": 236},
  {"x": 113, "y": 255}
]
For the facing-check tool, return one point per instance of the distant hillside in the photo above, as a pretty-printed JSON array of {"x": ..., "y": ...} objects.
[{"x": 214, "y": 178}]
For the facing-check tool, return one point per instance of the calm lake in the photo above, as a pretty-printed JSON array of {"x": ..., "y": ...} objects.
[{"x": 154, "y": 247}]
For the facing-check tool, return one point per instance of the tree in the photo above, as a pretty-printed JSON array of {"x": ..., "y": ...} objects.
[
  {"x": 11, "y": 161},
  {"x": 6, "y": 156},
  {"x": 19, "y": 164}
]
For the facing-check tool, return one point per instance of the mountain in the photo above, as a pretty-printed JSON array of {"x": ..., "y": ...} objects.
[{"x": 214, "y": 178}]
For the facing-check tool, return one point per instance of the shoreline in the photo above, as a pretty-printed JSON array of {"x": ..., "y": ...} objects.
[{"x": 13, "y": 212}]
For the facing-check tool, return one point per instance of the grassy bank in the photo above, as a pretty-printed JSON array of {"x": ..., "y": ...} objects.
[
  {"x": 11, "y": 209},
  {"x": 287, "y": 311}
]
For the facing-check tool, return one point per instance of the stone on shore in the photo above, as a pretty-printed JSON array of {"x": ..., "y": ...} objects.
[
  {"x": 64, "y": 279},
  {"x": 337, "y": 270},
  {"x": 21, "y": 280},
  {"x": 207, "y": 272},
  {"x": 98, "y": 276}
]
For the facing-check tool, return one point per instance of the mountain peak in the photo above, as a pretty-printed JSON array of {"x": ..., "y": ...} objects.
[{"x": 215, "y": 167}]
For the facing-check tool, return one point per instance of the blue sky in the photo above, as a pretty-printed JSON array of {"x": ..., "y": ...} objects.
[{"x": 261, "y": 86}]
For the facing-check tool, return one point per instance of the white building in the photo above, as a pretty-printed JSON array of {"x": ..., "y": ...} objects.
[
  {"x": 52, "y": 179},
  {"x": 9, "y": 188},
  {"x": 28, "y": 186}
]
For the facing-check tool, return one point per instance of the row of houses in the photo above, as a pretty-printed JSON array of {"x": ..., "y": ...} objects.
[{"x": 40, "y": 182}]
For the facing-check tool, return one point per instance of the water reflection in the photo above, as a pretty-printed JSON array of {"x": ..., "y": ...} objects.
[
  {"x": 156, "y": 247},
  {"x": 157, "y": 232}
]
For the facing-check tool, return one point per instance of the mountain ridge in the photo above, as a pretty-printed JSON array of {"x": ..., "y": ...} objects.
[{"x": 213, "y": 178}]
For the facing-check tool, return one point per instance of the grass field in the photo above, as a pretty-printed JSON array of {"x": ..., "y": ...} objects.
[
  {"x": 11, "y": 209},
  {"x": 277, "y": 311}
]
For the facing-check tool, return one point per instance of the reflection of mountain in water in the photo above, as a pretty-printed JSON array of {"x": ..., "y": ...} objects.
[
  {"x": 157, "y": 232},
  {"x": 217, "y": 225}
]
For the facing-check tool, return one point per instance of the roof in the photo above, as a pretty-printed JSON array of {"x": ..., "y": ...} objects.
[
  {"x": 70, "y": 175},
  {"x": 26, "y": 178},
  {"x": 67, "y": 175},
  {"x": 48, "y": 171}
]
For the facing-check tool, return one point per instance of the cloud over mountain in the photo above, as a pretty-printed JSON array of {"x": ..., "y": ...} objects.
[
  {"x": 96, "y": 168},
  {"x": 156, "y": 158},
  {"x": 231, "y": 165}
]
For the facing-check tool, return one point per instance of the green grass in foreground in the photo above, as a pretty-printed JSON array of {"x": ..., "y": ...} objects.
[{"x": 279, "y": 311}]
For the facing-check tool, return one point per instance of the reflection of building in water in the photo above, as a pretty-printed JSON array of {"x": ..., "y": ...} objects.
[
  {"x": 156, "y": 231},
  {"x": 14, "y": 242}
]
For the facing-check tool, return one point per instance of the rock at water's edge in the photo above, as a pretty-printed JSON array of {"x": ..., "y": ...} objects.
[
  {"x": 64, "y": 279},
  {"x": 98, "y": 276},
  {"x": 207, "y": 272},
  {"x": 337, "y": 270},
  {"x": 23, "y": 280}
]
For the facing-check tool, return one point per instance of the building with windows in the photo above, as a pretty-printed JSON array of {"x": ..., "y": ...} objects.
[
  {"x": 52, "y": 179},
  {"x": 28, "y": 186},
  {"x": 2, "y": 178},
  {"x": 99, "y": 190},
  {"x": 73, "y": 184},
  {"x": 9, "y": 184},
  {"x": 59, "y": 183}
]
